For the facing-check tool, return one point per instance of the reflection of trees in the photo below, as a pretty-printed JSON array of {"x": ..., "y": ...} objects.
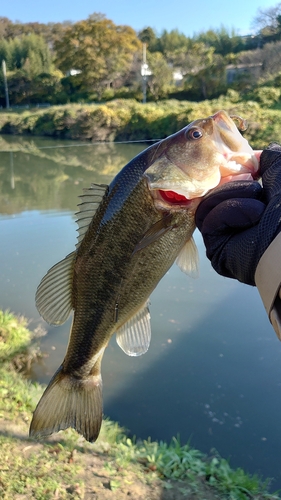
[{"x": 34, "y": 178}]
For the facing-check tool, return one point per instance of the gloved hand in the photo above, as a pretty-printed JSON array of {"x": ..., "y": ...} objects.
[{"x": 240, "y": 219}]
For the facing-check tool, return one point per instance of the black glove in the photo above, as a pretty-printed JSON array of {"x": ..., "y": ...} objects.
[{"x": 240, "y": 219}]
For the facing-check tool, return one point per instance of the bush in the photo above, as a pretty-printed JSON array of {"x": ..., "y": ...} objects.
[
  {"x": 267, "y": 96},
  {"x": 127, "y": 119}
]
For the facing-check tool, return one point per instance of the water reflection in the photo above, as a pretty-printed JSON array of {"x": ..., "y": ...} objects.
[
  {"x": 53, "y": 177},
  {"x": 213, "y": 372}
]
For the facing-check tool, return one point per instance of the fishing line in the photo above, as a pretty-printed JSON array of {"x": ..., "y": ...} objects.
[{"x": 27, "y": 149}]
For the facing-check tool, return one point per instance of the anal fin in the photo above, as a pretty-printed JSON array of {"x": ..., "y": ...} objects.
[
  {"x": 135, "y": 335},
  {"x": 188, "y": 260}
]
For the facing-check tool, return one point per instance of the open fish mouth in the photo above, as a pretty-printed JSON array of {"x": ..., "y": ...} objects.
[
  {"x": 234, "y": 171},
  {"x": 173, "y": 198}
]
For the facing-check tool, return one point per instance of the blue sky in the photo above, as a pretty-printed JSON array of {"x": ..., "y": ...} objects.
[{"x": 188, "y": 16}]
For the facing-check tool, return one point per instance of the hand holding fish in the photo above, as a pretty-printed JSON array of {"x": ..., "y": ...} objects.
[{"x": 241, "y": 225}]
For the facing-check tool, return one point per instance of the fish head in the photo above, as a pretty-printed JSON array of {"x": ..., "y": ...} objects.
[{"x": 206, "y": 153}]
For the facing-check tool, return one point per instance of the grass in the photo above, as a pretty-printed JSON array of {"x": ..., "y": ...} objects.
[
  {"x": 14, "y": 335},
  {"x": 182, "y": 462},
  {"x": 68, "y": 467},
  {"x": 127, "y": 119},
  {"x": 43, "y": 475}
]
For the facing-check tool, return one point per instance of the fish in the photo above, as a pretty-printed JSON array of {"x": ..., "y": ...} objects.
[{"x": 129, "y": 235}]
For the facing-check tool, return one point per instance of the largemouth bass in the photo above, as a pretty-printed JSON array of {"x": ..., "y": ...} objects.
[{"x": 130, "y": 234}]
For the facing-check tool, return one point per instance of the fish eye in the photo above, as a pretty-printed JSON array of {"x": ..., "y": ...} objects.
[{"x": 194, "y": 133}]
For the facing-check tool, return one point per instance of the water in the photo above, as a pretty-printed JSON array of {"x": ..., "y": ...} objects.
[{"x": 213, "y": 371}]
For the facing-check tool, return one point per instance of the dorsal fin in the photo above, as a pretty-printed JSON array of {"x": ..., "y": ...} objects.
[
  {"x": 134, "y": 336},
  {"x": 90, "y": 201},
  {"x": 53, "y": 296},
  {"x": 188, "y": 260}
]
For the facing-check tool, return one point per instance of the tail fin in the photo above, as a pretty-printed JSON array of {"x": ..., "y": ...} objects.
[{"x": 69, "y": 402}]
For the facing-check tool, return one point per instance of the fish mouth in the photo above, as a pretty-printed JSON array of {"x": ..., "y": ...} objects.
[
  {"x": 236, "y": 168},
  {"x": 172, "y": 197}
]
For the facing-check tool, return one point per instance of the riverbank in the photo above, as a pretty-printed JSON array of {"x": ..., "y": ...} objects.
[
  {"x": 129, "y": 120},
  {"x": 67, "y": 467}
]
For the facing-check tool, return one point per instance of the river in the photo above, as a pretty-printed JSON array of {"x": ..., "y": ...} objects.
[{"x": 213, "y": 372}]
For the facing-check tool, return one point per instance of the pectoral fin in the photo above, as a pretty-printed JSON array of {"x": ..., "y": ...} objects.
[
  {"x": 188, "y": 259},
  {"x": 135, "y": 335},
  {"x": 155, "y": 232},
  {"x": 53, "y": 296}
]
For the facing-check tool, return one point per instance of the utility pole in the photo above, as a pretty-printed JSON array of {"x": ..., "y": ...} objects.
[
  {"x": 5, "y": 83},
  {"x": 145, "y": 71}
]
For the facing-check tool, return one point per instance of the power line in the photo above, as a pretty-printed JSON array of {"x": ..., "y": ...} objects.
[{"x": 30, "y": 149}]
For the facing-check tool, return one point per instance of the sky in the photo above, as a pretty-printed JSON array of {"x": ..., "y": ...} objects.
[{"x": 188, "y": 16}]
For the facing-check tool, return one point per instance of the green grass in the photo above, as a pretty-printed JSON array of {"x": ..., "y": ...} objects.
[
  {"x": 14, "y": 335},
  {"x": 127, "y": 119},
  {"x": 182, "y": 462},
  {"x": 58, "y": 469},
  {"x": 42, "y": 475}
]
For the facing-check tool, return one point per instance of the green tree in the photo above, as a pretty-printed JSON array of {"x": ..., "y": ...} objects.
[
  {"x": 159, "y": 83},
  {"x": 29, "y": 52},
  {"x": 6, "y": 52},
  {"x": 31, "y": 76},
  {"x": 20, "y": 87},
  {"x": 36, "y": 55},
  {"x": 99, "y": 49},
  {"x": 224, "y": 41},
  {"x": 47, "y": 87},
  {"x": 148, "y": 36},
  {"x": 206, "y": 76},
  {"x": 173, "y": 41},
  {"x": 173, "y": 45}
]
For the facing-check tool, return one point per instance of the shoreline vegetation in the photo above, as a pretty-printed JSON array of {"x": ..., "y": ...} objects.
[
  {"x": 115, "y": 467},
  {"x": 130, "y": 120}
]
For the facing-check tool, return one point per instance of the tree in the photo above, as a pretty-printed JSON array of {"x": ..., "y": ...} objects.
[
  {"x": 31, "y": 76},
  {"x": 170, "y": 42},
  {"x": 268, "y": 23},
  {"x": 46, "y": 87},
  {"x": 49, "y": 32},
  {"x": 29, "y": 52},
  {"x": 20, "y": 87},
  {"x": 267, "y": 59},
  {"x": 6, "y": 52},
  {"x": 223, "y": 41},
  {"x": 99, "y": 49},
  {"x": 206, "y": 76},
  {"x": 267, "y": 19},
  {"x": 159, "y": 83},
  {"x": 36, "y": 55},
  {"x": 148, "y": 36},
  {"x": 4, "y": 26}
]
